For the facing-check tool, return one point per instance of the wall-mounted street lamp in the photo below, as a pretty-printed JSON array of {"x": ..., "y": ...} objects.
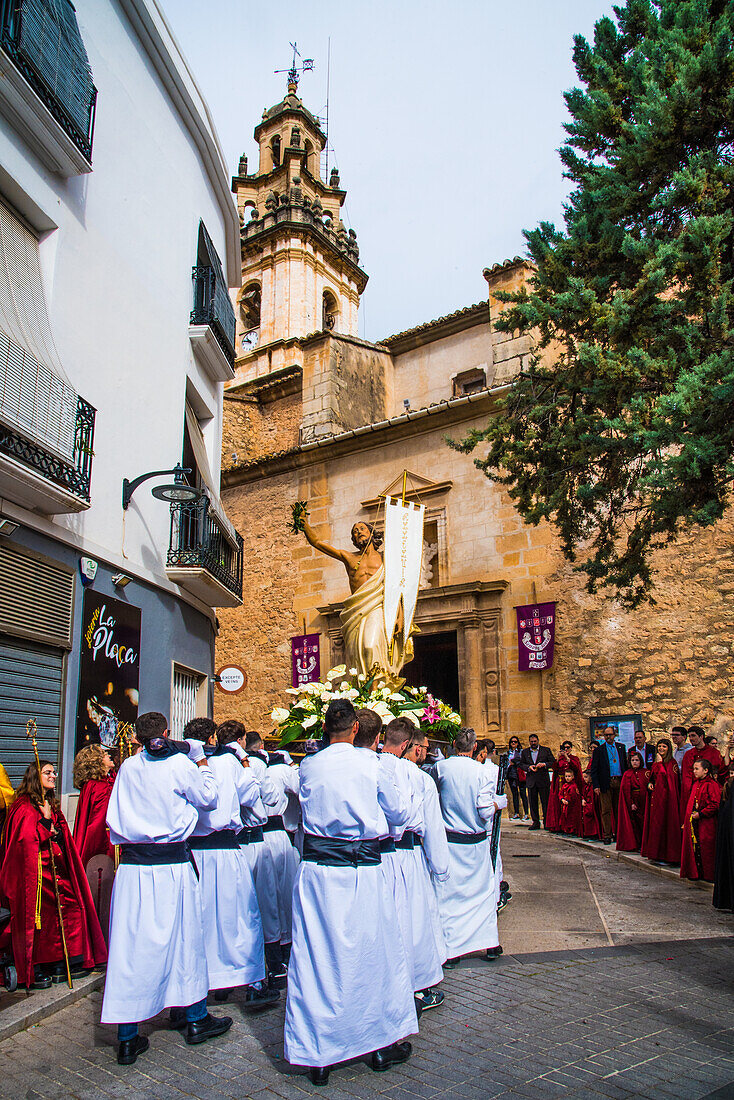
[{"x": 176, "y": 493}]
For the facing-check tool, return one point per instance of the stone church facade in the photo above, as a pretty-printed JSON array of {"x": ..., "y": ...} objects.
[{"x": 315, "y": 413}]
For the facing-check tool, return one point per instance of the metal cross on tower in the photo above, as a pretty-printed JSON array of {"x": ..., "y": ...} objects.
[{"x": 295, "y": 72}]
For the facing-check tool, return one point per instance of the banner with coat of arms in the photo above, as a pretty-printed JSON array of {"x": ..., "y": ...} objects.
[{"x": 536, "y": 635}]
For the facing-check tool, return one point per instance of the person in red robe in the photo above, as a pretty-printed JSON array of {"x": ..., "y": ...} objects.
[
  {"x": 698, "y": 855},
  {"x": 590, "y": 829},
  {"x": 94, "y": 777},
  {"x": 632, "y": 803},
  {"x": 661, "y": 830},
  {"x": 570, "y": 799},
  {"x": 35, "y": 827},
  {"x": 699, "y": 751},
  {"x": 566, "y": 759}
]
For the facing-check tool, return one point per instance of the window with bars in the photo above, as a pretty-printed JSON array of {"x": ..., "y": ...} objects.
[{"x": 184, "y": 698}]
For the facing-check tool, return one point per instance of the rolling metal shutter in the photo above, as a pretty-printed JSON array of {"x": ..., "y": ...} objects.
[
  {"x": 36, "y": 597},
  {"x": 31, "y": 681}
]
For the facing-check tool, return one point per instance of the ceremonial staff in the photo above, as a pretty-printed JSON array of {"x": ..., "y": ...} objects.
[
  {"x": 494, "y": 842},
  {"x": 31, "y": 730}
]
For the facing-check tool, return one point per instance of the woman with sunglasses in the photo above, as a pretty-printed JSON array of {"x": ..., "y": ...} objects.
[
  {"x": 516, "y": 780},
  {"x": 35, "y": 829}
]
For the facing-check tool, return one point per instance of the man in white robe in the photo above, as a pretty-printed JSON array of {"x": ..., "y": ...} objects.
[
  {"x": 233, "y": 935},
  {"x": 466, "y": 900},
  {"x": 428, "y": 944},
  {"x": 252, "y": 840},
  {"x": 349, "y": 992},
  {"x": 285, "y": 857},
  {"x": 157, "y": 957}
]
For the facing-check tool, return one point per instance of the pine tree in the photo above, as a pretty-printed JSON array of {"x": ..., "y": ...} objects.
[{"x": 621, "y": 432}]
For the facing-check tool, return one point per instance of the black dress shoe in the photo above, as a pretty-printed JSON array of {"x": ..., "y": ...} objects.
[
  {"x": 391, "y": 1056},
  {"x": 319, "y": 1075},
  {"x": 129, "y": 1049},
  {"x": 207, "y": 1028},
  {"x": 531, "y": 827},
  {"x": 494, "y": 952}
]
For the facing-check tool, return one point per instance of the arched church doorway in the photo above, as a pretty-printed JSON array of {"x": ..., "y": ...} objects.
[{"x": 435, "y": 666}]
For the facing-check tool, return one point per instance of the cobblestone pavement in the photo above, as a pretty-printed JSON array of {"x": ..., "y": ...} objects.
[{"x": 633, "y": 999}]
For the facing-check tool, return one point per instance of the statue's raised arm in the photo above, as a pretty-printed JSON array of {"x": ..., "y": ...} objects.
[{"x": 325, "y": 547}]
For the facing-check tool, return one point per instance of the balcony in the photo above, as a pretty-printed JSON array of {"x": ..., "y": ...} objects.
[
  {"x": 201, "y": 556},
  {"x": 35, "y": 477},
  {"x": 212, "y": 324},
  {"x": 46, "y": 88}
]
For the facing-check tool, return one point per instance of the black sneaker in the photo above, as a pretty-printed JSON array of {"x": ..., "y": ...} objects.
[
  {"x": 493, "y": 953},
  {"x": 208, "y": 1028},
  {"x": 451, "y": 964},
  {"x": 429, "y": 998},
  {"x": 260, "y": 997},
  {"x": 277, "y": 976}
]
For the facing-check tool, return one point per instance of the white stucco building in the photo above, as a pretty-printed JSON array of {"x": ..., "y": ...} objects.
[{"x": 119, "y": 241}]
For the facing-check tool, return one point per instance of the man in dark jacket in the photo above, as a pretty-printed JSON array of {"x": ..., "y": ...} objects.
[
  {"x": 536, "y": 762},
  {"x": 608, "y": 764}
]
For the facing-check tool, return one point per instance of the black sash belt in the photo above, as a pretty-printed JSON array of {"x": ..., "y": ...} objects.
[
  {"x": 214, "y": 842},
  {"x": 274, "y": 824},
  {"x": 464, "y": 838},
  {"x": 157, "y": 855},
  {"x": 408, "y": 840},
  {"x": 387, "y": 844},
  {"x": 250, "y": 836},
  {"x": 336, "y": 852}
]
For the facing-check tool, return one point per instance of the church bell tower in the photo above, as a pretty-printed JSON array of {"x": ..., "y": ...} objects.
[{"x": 300, "y": 265}]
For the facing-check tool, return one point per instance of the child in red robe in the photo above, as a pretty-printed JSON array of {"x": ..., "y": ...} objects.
[
  {"x": 661, "y": 831},
  {"x": 632, "y": 803},
  {"x": 566, "y": 759},
  {"x": 35, "y": 827},
  {"x": 701, "y": 751},
  {"x": 589, "y": 818},
  {"x": 699, "y": 824},
  {"x": 570, "y": 800}
]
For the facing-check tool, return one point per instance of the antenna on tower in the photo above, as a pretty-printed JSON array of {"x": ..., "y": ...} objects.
[
  {"x": 328, "y": 80},
  {"x": 296, "y": 71}
]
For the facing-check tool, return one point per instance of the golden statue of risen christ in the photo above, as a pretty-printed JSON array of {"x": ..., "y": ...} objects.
[{"x": 362, "y": 618}]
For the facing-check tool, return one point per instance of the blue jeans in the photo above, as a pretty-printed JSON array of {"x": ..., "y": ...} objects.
[{"x": 194, "y": 1013}]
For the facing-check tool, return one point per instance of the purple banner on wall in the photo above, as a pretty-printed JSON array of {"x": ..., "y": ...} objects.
[
  {"x": 305, "y": 659},
  {"x": 536, "y": 635}
]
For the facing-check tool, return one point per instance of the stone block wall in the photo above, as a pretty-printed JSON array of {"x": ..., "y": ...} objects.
[{"x": 254, "y": 431}]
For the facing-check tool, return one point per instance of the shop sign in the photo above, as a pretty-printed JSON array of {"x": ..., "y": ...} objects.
[{"x": 109, "y": 668}]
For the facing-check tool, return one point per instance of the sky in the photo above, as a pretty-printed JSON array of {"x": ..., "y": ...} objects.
[{"x": 445, "y": 121}]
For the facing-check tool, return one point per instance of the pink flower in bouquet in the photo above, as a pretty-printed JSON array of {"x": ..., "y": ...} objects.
[{"x": 431, "y": 713}]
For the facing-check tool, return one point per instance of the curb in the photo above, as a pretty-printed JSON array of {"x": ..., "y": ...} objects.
[
  {"x": 30, "y": 1008},
  {"x": 633, "y": 860}
]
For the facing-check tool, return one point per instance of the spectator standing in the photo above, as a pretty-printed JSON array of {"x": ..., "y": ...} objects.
[
  {"x": 516, "y": 780},
  {"x": 608, "y": 765},
  {"x": 699, "y": 751},
  {"x": 645, "y": 748},
  {"x": 632, "y": 803},
  {"x": 699, "y": 824},
  {"x": 590, "y": 828},
  {"x": 537, "y": 760},
  {"x": 566, "y": 759},
  {"x": 661, "y": 839},
  {"x": 681, "y": 744}
]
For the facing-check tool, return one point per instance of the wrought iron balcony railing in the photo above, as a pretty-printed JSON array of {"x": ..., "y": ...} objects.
[
  {"x": 199, "y": 542},
  {"x": 42, "y": 39},
  {"x": 75, "y": 477},
  {"x": 213, "y": 307}
]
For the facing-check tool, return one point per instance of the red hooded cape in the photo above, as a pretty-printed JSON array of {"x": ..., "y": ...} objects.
[
  {"x": 571, "y": 813},
  {"x": 91, "y": 834},
  {"x": 25, "y": 837},
  {"x": 631, "y": 822},
  {"x": 686, "y": 771},
  {"x": 553, "y": 815},
  {"x": 661, "y": 832},
  {"x": 705, "y": 797},
  {"x": 589, "y": 817}
]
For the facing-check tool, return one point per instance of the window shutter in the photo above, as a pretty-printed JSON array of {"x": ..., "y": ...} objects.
[
  {"x": 36, "y": 598},
  {"x": 36, "y": 397}
]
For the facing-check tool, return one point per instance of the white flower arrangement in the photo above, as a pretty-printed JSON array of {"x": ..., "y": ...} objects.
[{"x": 305, "y": 716}]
